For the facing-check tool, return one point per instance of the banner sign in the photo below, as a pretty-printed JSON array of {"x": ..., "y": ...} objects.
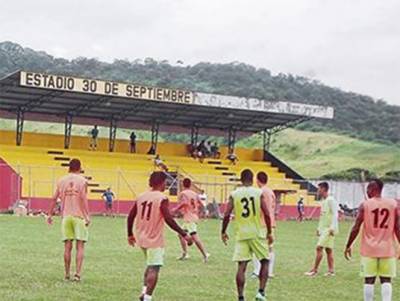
[
  {"x": 281, "y": 107},
  {"x": 139, "y": 92},
  {"x": 101, "y": 87}
]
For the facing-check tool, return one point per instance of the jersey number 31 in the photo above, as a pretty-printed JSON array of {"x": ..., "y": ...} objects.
[{"x": 246, "y": 209}]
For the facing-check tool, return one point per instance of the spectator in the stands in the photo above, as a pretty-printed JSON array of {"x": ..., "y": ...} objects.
[
  {"x": 201, "y": 151},
  {"x": 215, "y": 151},
  {"x": 207, "y": 148},
  {"x": 94, "y": 133},
  {"x": 232, "y": 157},
  {"x": 160, "y": 164},
  {"x": 133, "y": 142}
]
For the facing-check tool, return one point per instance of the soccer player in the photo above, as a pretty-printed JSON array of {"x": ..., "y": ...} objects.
[
  {"x": 72, "y": 190},
  {"x": 270, "y": 201},
  {"x": 379, "y": 219},
  {"x": 248, "y": 206},
  {"x": 300, "y": 209},
  {"x": 327, "y": 229},
  {"x": 189, "y": 204},
  {"x": 108, "y": 197},
  {"x": 149, "y": 214}
]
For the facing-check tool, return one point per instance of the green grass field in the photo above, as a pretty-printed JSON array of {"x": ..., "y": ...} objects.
[{"x": 31, "y": 266}]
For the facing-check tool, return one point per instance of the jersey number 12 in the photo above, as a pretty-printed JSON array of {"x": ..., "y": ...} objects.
[{"x": 381, "y": 223}]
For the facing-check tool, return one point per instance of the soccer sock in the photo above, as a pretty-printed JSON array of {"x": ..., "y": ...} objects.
[
  {"x": 146, "y": 298},
  {"x": 257, "y": 266},
  {"x": 386, "y": 291},
  {"x": 369, "y": 292},
  {"x": 241, "y": 298},
  {"x": 144, "y": 290},
  {"x": 271, "y": 263}
]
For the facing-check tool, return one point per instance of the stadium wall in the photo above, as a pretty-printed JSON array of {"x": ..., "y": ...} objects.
[
  {"x": 10, "y": 186},
  {"x": 286, "y": 212}
]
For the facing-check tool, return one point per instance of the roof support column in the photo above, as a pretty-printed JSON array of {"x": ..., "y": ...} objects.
[
  {"x": 20, "y": 125},
  {"x": 154, "y": 138},
  {"x": 267, "y": 134},
  {"x": 113, "y": 134},
  {"x": 194, "y": 135},
  {"x": 67, "y": 131},
  {"x": 231, "y": 140}
]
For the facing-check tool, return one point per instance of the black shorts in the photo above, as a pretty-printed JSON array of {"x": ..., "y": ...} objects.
[{"x": 108, "y": 205}]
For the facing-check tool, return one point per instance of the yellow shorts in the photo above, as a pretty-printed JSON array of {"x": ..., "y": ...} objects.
[
  {"x": 378, "y": 267},
  {"x": 325, "y": 240},
  {"x": 190, "y": 228},
  {"x": 154, "y": 256},
  {"x": 74, "y": 228},
  {"x": 245, "y": 249}
]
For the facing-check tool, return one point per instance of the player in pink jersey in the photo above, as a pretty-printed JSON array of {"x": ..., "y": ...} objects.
[
  {"x": 148, "y": 216},
  {"x": 72, "y": 190},
  {"x": 270, "y": 200},
  {"x": 189, "y": 204},
  {"x": 379, "y": 219}
]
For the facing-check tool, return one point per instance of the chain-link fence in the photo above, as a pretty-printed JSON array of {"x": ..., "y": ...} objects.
[{"x": 35, "y": 181}]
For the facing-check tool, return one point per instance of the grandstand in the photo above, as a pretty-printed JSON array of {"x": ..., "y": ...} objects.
[{"x": 35, "y": 161}]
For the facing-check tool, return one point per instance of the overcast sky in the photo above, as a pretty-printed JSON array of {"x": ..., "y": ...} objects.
[{"x": 351, "y": 44}]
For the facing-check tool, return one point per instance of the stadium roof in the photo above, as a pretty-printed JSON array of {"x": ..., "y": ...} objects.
[{"x": 45, "y": 97}]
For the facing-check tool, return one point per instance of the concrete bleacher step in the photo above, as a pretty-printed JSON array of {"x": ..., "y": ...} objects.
[
  {"x": 214, "y": 162},
  {"x": 97, "y": 190},
  {"x": 62, "y": 159},
  {"x": 229, "y": 173},
  {"x": 221, "y": 168},
  {"x": 234, "y": 180},
  {"x": 51, "y": 152}
]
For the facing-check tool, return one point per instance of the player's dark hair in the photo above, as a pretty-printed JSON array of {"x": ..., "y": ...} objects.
[
  {"x": 157, "y": 178},
  {"x": 246, "y": 176},
  {"x": 187, "y": 182},
  {"x": 378, "y": 183},
  {"x": 324, "y": 185},
  {"x": 262, "y": 177},
  {"x": 74, "y": 165}
]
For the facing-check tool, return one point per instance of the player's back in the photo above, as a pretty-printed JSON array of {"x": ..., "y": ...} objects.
[
  {"x": 149, "y": 222},
  {"x": 247, "y": 210},
  {"x": 190, "y": 200},
  {"x": 378, "y": 233},
  {"x": 72, "y": 190}
]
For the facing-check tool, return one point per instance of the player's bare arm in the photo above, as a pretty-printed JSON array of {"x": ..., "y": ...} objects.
[
  {"x": 172, "y": 223},
  {"x": 130, "y": 222},
  {"x": 397, "y": 222},
  {"x": 226, "y": 221},
  {"x": 181, "y": 204},
  {"x": 334, "y": 209},
  {"x": 267, "y": 218},
  {"x": 86, "y": 205},
  {"x": 52, "y": 205},
  {"x": 354, "y": 232}
]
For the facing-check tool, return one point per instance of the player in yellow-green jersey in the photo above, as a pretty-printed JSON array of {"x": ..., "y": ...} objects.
[
  {"x": 250, "y": 235},
  {"x": 328, "y": 228}
]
